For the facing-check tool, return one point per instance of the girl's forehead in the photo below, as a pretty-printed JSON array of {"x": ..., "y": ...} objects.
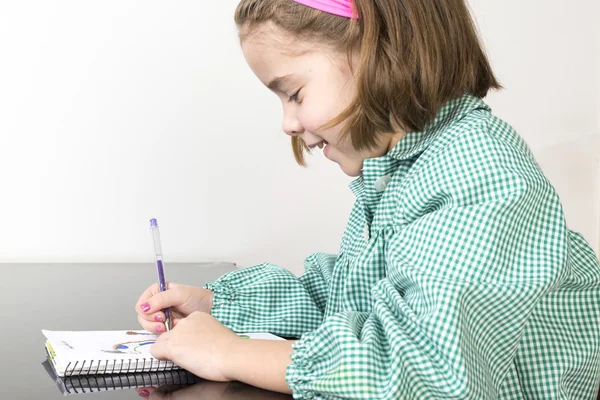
[
  {"x": 271, "y": 52},
  {"x": 269, "y": 55},
  {"x": 262, "y": 55},
  {"x": 270, "y": 38}
]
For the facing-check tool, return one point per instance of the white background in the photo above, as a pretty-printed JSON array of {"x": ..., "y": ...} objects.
[{"x": 115, "y": 112}]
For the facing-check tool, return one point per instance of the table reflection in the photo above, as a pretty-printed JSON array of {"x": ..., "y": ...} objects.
[{"x": 209, "y": 390}]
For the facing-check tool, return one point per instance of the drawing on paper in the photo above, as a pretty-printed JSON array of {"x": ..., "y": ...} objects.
[{"x": 134, "y": 346}]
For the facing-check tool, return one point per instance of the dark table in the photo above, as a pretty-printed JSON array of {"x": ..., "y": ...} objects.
[{"x": 87, "y": 297}]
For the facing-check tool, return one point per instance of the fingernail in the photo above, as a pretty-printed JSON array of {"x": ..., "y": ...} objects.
[
  {"x": 145, "y": 307},
  {"x": 158, "y": 318},
  {"x": 144, "y": 393},
  {"x": 159, "y": 328}
]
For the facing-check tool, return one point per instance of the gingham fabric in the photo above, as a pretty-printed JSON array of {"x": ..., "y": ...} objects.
[{"x": 457, "y": 278}]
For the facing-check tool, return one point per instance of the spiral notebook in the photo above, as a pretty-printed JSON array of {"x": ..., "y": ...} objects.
[
  {"x": 109, "y": 352},
  {"x": 80, "y": 384}
]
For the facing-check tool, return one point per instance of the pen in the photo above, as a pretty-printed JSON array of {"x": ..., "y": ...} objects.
[{"x": 159, "y": 266}]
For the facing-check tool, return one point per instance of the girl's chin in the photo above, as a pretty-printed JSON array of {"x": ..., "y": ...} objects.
[{"x": 349, "y": 168}]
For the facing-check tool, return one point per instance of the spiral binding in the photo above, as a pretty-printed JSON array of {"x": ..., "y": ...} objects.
[
  {"x": 124, "y": 367},
  {"x": 98, "y": 383}
]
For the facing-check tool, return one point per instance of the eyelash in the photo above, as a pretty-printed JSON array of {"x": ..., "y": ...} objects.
[{"x": 294, "y": 97}]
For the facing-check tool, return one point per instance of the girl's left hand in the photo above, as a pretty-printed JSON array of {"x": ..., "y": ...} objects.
[{"x": 200, "y": 344}]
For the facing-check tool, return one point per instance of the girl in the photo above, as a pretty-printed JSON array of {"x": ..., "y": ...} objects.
[{"x": 456, "y": 278}]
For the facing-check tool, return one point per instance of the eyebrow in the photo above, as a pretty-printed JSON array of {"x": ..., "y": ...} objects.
[{"x": 277, "y": 84}]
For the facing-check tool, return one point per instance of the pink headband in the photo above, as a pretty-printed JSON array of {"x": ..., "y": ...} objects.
[{"x": 343, "y": 8}]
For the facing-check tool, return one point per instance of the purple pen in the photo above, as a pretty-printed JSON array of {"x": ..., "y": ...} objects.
[{"x": 159, "y": 266}]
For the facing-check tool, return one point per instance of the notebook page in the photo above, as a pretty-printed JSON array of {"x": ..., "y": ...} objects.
[
  {"x": 108, "y": 352},
  {"x": 89, "y": 352}
]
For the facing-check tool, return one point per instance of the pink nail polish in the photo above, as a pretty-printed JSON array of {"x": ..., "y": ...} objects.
[
  {"x": 144, "y": 393},
  {"x": 159, "y": 328},
  {"x": 158, "y": 318},
  {"x": 145, "y": 307}
]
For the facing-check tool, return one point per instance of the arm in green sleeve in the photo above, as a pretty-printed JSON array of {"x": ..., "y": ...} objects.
[{"x": 269, "y": 298}]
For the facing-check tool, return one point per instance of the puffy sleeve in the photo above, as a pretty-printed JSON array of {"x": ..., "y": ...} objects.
[
  {"x": 268, "y": 298},
  {"x": 481, "y": 244}
]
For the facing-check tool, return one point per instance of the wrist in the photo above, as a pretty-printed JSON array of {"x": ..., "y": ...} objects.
[
  {"x": 231, "y": 360},
  {"x": 206, "y": 301},
  {"x": 210, "y": 301},
  {"x": 258, "y": 362}
]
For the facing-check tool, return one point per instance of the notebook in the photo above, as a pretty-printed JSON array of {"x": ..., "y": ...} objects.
[
  {"x": 110, "y": 352},
  {"x": 80, "y": 384}
]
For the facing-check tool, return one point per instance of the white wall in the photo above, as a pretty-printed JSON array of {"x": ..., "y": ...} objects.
[
  {"x": 118, "y": 111},
  {"x": 547, "y": 55}
]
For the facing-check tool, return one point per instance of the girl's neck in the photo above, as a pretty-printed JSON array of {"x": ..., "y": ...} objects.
[{"x": 395, "y": 138}]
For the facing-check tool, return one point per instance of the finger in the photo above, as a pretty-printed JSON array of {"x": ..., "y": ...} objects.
[
  {"x": 151, "y": 291},
  {"x": 160, "y": 301},
  {"x": 145, "y": 324},
  {"x": 153, "y": 317},
  {"x": 159, "y": 348},
  {"x": 154, "y": 327},
  {"x": 146, "y": 391}
]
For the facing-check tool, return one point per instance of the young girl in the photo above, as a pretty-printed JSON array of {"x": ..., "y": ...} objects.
[{"x": 456, "y": 278}]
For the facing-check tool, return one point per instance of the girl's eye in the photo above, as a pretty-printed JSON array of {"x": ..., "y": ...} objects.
[{"x": 294, "y": 97}]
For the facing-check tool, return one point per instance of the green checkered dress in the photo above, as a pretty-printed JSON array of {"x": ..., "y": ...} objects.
[{"x": 457, "y": 278}]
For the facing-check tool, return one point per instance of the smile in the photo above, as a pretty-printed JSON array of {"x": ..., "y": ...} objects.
[{"x": 318, "y": 144}]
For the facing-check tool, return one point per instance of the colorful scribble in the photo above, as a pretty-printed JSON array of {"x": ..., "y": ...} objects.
[{"x": 132, "y": 347}]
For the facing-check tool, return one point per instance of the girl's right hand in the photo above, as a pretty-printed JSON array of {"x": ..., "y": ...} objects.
[{"x": 182, "y": 300}]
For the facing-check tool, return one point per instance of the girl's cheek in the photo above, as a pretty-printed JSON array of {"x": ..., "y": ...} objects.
[{"x": 312, "y": 121}]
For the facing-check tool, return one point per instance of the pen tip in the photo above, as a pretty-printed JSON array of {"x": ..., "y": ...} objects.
[{"x": 153, "y": 223}]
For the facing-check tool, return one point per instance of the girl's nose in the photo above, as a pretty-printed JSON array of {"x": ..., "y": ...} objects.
[{"x": 291, "y": 125}]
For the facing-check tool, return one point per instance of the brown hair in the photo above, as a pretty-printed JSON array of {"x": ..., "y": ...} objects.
[{"x": 413, "y": 56}]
